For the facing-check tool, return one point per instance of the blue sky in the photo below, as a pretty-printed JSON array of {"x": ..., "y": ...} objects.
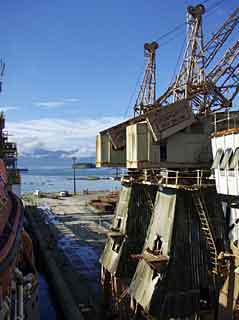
[{"x": 72, "y": 65}]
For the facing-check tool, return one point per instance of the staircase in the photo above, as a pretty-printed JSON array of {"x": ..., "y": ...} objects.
[{"x": 201, "y": 210}]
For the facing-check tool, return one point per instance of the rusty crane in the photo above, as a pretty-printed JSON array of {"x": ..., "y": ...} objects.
[{"x": 161, "y": 257}]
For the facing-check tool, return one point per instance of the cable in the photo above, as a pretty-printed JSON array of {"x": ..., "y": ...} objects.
[
  {"x": 213, "y": 7},
  {"x": 178, "y": 59},
  {"x": 164, "y": 43},
  {"x": 181, "y": 25},
  {"x": 133, "y": 94},
  {"x": 176, "y": 28}
]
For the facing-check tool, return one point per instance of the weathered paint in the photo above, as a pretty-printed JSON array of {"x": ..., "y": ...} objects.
[
  {"x": 142, "y": 152},
  {"x": 177, "y": 290},
  {"x": 164, "y": 122},
  {"x": 106, "y": 154}
]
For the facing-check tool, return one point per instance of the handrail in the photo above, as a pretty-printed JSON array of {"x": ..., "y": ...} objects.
[
  {"x": 176, "y": 178},
  {"x": 228, "y": 118}
]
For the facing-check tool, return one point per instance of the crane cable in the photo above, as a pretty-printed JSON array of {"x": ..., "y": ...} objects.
[
  {"x": 210, "y": 11},
  {"x": 133, "y": 94},
  {"x": 165, "y": 35},
  {"x": 178, "y": 27}
]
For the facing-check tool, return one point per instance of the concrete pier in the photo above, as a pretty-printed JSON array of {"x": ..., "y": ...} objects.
[{"x": 70, "y": 244}]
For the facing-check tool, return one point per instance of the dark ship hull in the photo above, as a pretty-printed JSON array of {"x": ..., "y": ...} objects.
[{"x": 18, "y": 275}]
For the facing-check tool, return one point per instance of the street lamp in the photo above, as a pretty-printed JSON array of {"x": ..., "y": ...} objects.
[{"x": 74, "y": 173}]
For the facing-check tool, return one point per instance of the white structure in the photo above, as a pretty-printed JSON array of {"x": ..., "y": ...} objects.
[{"x": 225, "y": 148}]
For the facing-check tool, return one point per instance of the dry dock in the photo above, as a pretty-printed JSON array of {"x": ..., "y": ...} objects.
[{"x": 71, "y": 235}]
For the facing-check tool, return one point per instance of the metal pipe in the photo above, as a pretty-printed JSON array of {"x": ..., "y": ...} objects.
[
  {"x": 19, "y": 295},
  {"x": 20, "y": 307}
]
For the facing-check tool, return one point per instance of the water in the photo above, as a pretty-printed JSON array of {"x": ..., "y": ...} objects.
[
  {"x": 50, "y": 179},
  {"x": 46, "y": 303}
]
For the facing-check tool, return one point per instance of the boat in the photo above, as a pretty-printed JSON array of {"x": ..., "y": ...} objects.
[
  {"x": 8, "y": 153},
  {"x": 18, "y": 274}
]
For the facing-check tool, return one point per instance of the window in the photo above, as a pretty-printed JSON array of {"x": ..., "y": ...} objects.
[
  {"x": 163, "y": 151},
  {"x": 234, "y": 160},
  {"x": 119, "y": 223},
  {"x": 226, "y": 158},
  {"x": 116, "y": 246},
  {"x": 217, "y": 159}
]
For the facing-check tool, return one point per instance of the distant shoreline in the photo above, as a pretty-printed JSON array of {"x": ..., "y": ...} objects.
[
  {"x": 84, "y": 165},
  {"x": 91, "y": 178}
]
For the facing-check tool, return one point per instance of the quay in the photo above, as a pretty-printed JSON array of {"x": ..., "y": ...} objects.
[{"x": 70, "y": 236}]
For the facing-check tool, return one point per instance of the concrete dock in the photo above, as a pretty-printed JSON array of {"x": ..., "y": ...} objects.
[{"x": 71, "y": 237}]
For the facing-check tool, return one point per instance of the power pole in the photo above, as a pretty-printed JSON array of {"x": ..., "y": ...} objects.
[{"x": 74, "y": 174}]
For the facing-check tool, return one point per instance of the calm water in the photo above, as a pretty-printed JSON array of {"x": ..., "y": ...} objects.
[
  {"x": 58, "y": 179},
  {"x": 47, "y": 304}
]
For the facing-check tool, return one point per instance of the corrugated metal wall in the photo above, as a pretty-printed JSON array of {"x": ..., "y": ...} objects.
[{"x": 187, "y": 283}]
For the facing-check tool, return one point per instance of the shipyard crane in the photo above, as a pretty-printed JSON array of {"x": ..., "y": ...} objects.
[
  {"x": 224, "y": 78},
  {"x": 147, "y": 92},
  {"x": 215, "y": 90},
  {"x": 218, "y": 39}
]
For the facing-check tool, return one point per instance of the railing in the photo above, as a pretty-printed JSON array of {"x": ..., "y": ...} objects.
[
  {"x": 181, "y": 178},
  {"x": 230, "y": 121},
  {"x": 173, "y": 178}
]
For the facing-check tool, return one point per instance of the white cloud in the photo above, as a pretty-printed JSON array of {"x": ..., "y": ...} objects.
[
  {"x": 58, "y": 134},
  {"x": 56, "y": 103},
  {"x": 8, "y": 108},
  {"x": 50, "y": 104},
  {"x": 72, "y": 100}
]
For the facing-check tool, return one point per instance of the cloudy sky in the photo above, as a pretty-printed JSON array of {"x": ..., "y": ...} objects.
[{"x": 72, "y": 66}]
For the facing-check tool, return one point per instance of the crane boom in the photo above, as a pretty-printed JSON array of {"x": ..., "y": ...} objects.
[
  {"x": 225, "y": 63},
  {"x": 218, "y": 88},
  {"x": 218, "y": 39},
  {"x": 225, "y": 77}
]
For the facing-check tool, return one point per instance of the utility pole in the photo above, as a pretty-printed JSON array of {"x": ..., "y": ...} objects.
[{"x": 74, "y": 174}]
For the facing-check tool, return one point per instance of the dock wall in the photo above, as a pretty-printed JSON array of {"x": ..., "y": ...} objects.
[{"x": 61, "y": 290}]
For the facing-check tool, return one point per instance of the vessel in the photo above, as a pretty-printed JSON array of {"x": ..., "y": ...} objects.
[{"x": 18, "y": 274}]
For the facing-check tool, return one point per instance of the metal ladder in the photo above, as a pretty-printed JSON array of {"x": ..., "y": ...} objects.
[
  {"x": 149, "y": 200},
  {"x": 200, "y": 207}
]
